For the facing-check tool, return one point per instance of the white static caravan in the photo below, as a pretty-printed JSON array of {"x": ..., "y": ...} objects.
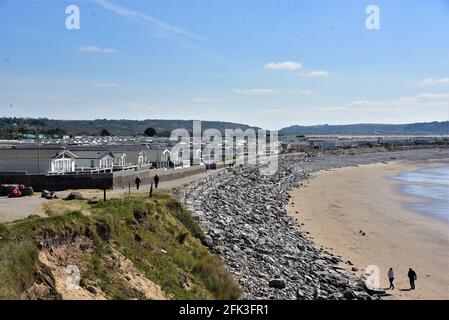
[
  {"x": 94, "y": 161},
  {"x": 119, "y": 159},
  {"x": 37, "y": 160}
]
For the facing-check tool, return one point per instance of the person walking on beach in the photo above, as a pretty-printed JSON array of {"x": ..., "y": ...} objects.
[
  {"x": 138, "y": 181},
  {"x": 391, "y": 278},
  {"x": 412, "y": 277},
  {"x": 156, "y": 180}
]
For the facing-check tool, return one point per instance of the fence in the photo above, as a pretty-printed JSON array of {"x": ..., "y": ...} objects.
[
  {"x": 41, "y": 182},
  {"x": 123, "y": 178}
]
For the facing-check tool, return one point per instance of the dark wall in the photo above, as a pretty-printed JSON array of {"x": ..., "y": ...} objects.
[
  {"x": 116, "y": 180},
  {"x": 41, "y": 182},
  {"x": 123, "y": 178}
]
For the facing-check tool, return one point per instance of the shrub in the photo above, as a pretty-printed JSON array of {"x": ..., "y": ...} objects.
[
  {"x": 216, "y": 278},
  {"x": 185, "y": 218},
  {"x": 182, "y": 237}
]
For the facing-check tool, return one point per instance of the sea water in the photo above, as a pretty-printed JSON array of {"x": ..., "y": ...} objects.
[{"x": 431, "y": 184}]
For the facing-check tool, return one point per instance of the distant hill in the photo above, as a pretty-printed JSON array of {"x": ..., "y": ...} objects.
[
  {"x": 372, "y": 129},
  {"x": 114, "y": 127}
]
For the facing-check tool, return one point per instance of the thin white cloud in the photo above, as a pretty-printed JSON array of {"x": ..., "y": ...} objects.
[
  {"x": 125, "y": 12},
  {"x": 267, "y": 91},
  {"x": 95, "y": 49},
  {"x": 206, "y": 100},
  {"x": 285, "y": 65},
  {"x": 431, "y": 81},
  {"x": 275, "y": 112},
  {"x": 425, "y": 100},
  {"x": 133, "y": 104},
  {"x": 331, "y": 108},
  {"x": 255, "y": 91},
  {"x": 306, "y": 92},
  {"x": 314, "y": 74},
  {"x": 301, "y": 92},
  {"x": 138, "y": 106},
  {"x": 106, "y": 85},
  {"x": 433, "y": 97},
  {"x": 217, "y": 75}
]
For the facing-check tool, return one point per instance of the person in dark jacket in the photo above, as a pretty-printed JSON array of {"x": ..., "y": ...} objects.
[
  {"x": 138, "y": 181},
  {"x": 412, "y": 277},
  {"x": 156, "y": 180},
  {"x": 391, "y": 278}
]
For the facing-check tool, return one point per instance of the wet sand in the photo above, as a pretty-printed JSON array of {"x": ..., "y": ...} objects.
[{"x": 334, "y": 206}]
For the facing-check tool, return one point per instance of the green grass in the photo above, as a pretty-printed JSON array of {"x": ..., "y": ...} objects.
[
  {"x": 18, "y": 249},
  {"x": 158, "y": 235}
]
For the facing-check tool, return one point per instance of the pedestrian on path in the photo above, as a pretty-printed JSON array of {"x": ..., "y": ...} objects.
[
  {"x": 138, "y": 181},
  {"x": 391, "y": 278},
  {"x": 156, "y": 180}
]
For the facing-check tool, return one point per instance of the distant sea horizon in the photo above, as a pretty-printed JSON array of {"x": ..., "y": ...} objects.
[{"x": 431, "y": 185}]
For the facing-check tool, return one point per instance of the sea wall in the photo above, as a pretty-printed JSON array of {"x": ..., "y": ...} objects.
[
  {"x": 123, "y": 178},
  {"x": 115, "y": 180},
  {"x": 41, "y": 182}
]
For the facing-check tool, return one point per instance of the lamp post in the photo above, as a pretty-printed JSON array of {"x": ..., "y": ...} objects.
[
  {"x": 38, "y": 151},
  {"x": 157, "y": 158}
]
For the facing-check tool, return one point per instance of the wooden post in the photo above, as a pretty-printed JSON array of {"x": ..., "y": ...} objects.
[
  {"x": 129, "y": 188},
  {"x": 104, "y": 194},
  {"x": 151, "y": 190}
]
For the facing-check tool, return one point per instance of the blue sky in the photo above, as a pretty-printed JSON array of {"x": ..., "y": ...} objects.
[{"x": 265, "y": 63}]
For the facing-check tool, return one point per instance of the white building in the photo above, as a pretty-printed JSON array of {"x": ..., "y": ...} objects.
[
  {"x": 119, "y": 159},
  {"x": 135, "y": 154},
  {"x": 37, "y": 160},
  {"x": 94, "y": 161}
]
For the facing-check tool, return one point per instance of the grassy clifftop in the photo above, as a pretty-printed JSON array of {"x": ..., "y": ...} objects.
[{"x": 132, "y": 248}]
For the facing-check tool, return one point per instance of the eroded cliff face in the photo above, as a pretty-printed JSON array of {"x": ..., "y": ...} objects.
[
  {"x": 58, "y": 274},
  {"x": 133, "y": 248}
]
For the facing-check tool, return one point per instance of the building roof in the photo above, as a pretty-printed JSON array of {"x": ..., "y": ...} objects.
[
  {"x": 42, "y": 153},
  {"x": 110, "y": 148},
  {"x": 118, "y": 154},
  {"x": 32, "y": 146},
  {"x": 93, "y": 154}
]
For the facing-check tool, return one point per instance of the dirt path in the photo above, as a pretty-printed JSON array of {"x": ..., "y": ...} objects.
[{"x": 19, "y": 208}]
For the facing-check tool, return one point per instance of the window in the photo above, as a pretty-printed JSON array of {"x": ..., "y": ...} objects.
[{"x": 61, "y": 165}]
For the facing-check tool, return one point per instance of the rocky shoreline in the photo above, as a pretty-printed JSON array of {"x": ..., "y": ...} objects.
[{"x": 243, "y": 215}]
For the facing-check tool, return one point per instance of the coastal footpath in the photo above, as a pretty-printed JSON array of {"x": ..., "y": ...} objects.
[{"x": 244, "y": 218}]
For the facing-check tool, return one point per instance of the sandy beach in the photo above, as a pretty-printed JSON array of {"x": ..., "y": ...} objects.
[{"x": 334, "y": 206}]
